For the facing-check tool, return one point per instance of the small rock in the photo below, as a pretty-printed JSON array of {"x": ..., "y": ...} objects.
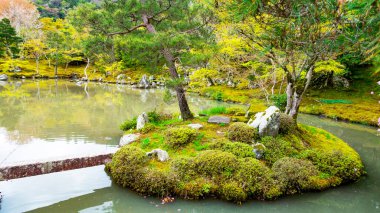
[
  {"x": 127, "y": 139},
  {"x": 162, "y": 155},
  {"x": 195, "y": 126},
  {"x": 3, "y": 77},
  {"x": 142, "y": 120},
  {"x": 259, "y": 150},
  {"x": 219, "y": 120}
]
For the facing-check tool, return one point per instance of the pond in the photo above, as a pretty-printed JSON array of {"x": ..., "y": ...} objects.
[{"x": 65, "y": 117}]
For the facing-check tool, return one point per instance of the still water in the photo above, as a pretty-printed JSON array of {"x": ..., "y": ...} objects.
[{"x": 39, "y": 114}]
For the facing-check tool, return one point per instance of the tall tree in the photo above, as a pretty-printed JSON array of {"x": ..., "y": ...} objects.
[
  {"x": 23, "y": 16},
  {"x": 295, "y": 35},
  {"x": 164, "y": 31},
  {"x": 9, "y": 41}
]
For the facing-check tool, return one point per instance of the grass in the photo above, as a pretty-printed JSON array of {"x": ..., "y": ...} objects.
[{"x": 214, "y": 111}]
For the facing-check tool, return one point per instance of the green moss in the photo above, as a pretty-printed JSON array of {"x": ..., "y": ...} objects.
[
  {"x": 294, "y": 174},
  {"x": 213, "y": 163},
  {"x": 179, "y": 136},
  {"x": 232, "y": 191},
  {"x": 242, "y": 132},
  {"x": 129, "y": 124},
  {"x": 240, "y": 150},
  {"x": 277, "y": 148},
  {"x": 287, "y": 124},
  {"x": 197, "y": 188}
]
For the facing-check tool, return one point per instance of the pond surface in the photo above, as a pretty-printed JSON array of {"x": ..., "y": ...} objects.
[
  {"x": 51, "y": 119},
  {"x": 62, "y": 114}
]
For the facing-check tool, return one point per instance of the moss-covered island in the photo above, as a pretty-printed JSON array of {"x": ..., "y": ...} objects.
[{"x": 231, "y": 161}]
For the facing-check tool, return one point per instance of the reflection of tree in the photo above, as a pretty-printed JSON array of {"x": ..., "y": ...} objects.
[{"x": 61, "y": 109}]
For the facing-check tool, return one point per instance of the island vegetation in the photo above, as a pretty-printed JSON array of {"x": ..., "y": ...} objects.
[{"x": 316, "y": 57}]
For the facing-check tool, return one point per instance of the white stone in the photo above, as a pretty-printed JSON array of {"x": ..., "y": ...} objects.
[
  {"x": 267, "y": 122},
  {"x": 127, "y": 139},
  {"x": 162, "y": 155},
  {"x": 195, "y": 126},
  {"x": 142, "y": 120}
]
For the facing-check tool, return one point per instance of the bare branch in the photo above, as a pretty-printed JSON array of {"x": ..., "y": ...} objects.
[{"x": 127, "y": 31}]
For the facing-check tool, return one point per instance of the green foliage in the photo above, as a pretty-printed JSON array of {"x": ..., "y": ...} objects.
[
  {"x": 125, "y": 165},
  {"x": 214, "y": 111},
  {"x": 330, "y": 66},
  {"x": 277, "y": 148},
  {"x": 335, "y": 163},
  {"x": 279, "y": 101},
  {"x": 202, "y": 77},
  {"x": 9, "y": 40},
  {"x": 287, "y": 124},
  {"x": 240, "y": 150},
  {"x": 214, "y": 163},
  {"x": 197, "y": 143},
  {"x": 254, "y": 177},
  {"x": 154, "y": 182},
  {"x": 197, "y": 188},
  {"x": 232, "y": 191},
  {"x": 129, "y": 124},
  {"x": 294, "y": 174},
  {"x": 154, "y": 117},
  {"x": 179, "y": 136},
  {"x": 148, "y": 127},
  {"x": 242, "y": 132}
]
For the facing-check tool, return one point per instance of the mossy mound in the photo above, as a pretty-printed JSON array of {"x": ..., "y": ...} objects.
[{"x": 206, "y": 163}]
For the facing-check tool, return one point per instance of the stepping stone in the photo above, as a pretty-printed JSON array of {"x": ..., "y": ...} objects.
[
  {"x": 219, "y": 119},
  {"x": 195, "y": 126}
]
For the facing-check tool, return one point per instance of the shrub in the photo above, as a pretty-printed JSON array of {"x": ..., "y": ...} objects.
[
  {"x": 184, "y": 167},
  {"x": 129, "y": 124},
  {"x": 125, "y": 165},
  {"x": 196, "y": 188},
  {"x": 214, "y": 162},
  {"x": 179, "y": 136},
  {"x": 240, "y": 150},
  {"x": 232, "y": 191},
  {"x": 279, "y": 101},
  {"x": 294, "y": 174},
  {"x": 335, "y": 164},
  {"x": 154, "y": 182},
  {"x": 287, "y": 124},
  {"x": 154, "y": 117},
  {"x": 242, "y": 132},
  {"x": 277, "y": 148},
  {"x": 253, "y": 176}
]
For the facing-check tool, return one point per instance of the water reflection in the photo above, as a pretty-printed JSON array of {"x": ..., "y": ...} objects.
[{"x": 52, "y": 111}]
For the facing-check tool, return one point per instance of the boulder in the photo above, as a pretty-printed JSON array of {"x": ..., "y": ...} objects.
[
  {"x": 161, "y": 155},
  {"x": 259, "y": 150},
  {"x": 267, "y": 122},
  {"x": 219, "y": 119},
  {"x": 195, "y": 126},
  {"x": 121, "y": 77},
  {"x": 142, "y": 120},
  {"x": 127, "y": 139},
  {"x": 3, "y": 77},
  {"x": 144, "y": 82}
]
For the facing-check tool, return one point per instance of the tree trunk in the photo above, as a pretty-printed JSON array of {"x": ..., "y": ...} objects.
[
  {"x": 85, "y": 69},
  {"x": 56, "y": 68},
  {"x": 37, "y": 66},
  {"x": 295, "y": 93},
  {"x": 182, "y": 102}
]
